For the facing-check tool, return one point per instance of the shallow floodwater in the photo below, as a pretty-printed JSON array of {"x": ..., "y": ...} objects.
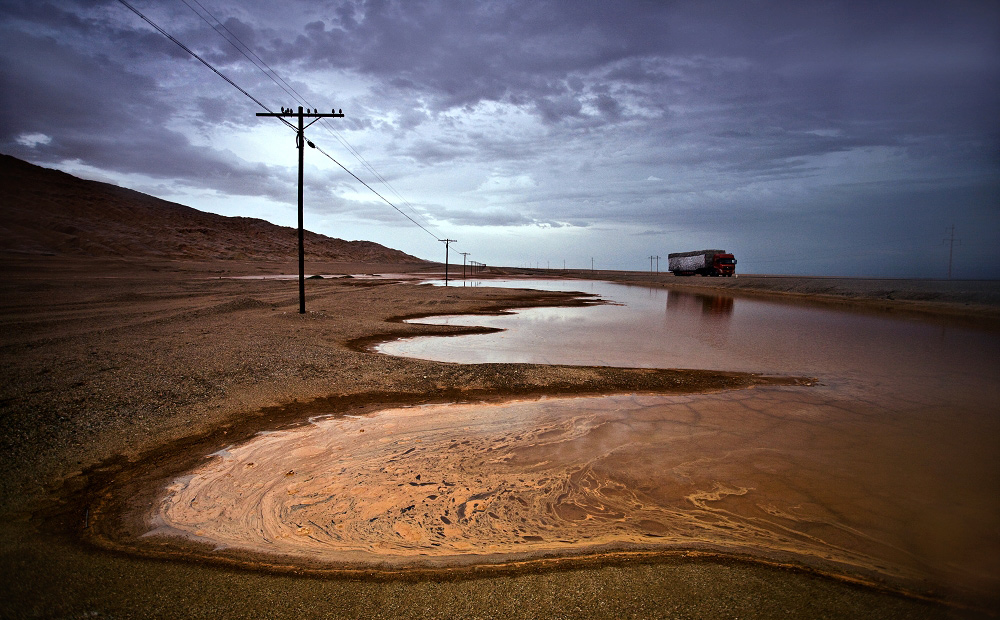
[
  {"x": 886, "y": 470},
  {"x": 653, "y": 327}
]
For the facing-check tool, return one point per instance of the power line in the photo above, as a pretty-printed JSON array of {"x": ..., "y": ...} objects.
[
  {"x": 386, "y": 200},
  {"x": 364, "y": 162},
  {"x": 290, "y": 91},
  {"x": 197, "y": 57},
  {"x": 242, "y": 50},
  {"x": 278, "y": 116}
]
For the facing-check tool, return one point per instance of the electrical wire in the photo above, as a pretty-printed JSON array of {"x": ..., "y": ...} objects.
[
  {"x": 373, "y": 190},
  {"x": 242, "y": 50},
  {"x": 255, "y": 100},
  {"x": 273, "y": 75},
  {"x": 200, "y": 59}
]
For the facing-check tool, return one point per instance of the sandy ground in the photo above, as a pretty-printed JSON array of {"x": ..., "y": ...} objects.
[{"x": 111, "y": 367}]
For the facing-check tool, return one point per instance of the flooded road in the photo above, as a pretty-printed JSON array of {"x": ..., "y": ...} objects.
[
  {"x": 886, "y": 471},
  {"x": 658, "y": 328}
]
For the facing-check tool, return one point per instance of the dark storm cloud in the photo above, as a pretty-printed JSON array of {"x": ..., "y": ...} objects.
[
  {"x": 464, "y": 53},
  {"x": 107, "y": 115},
  {"x": 652, "y": 115},
  {"x": 819, "y": 61}
]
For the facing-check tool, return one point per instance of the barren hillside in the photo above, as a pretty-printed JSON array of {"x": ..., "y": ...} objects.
[{"x": 48, "y": 212}]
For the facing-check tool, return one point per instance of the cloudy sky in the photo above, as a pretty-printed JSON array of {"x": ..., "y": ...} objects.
[{"x": 832, "y": 138}]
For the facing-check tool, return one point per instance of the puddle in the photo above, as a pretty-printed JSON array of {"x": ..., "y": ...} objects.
[
  {"x": 887, "y": 470},
  {"x": 669, "y": 329},
  {"x": 356, "y": 276}
]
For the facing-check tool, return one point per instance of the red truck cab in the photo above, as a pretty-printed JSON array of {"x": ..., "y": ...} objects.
[{"x": 724, "y": 265}]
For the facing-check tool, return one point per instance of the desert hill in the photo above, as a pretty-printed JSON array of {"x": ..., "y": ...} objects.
[{"x": 48, "y": 212}]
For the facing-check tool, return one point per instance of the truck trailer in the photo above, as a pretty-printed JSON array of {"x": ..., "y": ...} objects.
[{"x": 702, "y": 262}]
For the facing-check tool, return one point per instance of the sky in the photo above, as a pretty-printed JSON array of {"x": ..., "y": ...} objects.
[{"x": 805, "y": 137}]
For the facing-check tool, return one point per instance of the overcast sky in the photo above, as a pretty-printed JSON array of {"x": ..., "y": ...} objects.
[{"x": 831, "y": 138}]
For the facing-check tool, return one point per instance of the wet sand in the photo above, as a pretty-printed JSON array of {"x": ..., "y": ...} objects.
[
  {"x": 868, "y": 474},
  {"x": 114, "y": 367},
  {"x": 742, "y": 473}
]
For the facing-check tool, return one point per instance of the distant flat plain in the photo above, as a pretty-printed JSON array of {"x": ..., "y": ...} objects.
[{"x": 114, "y": 365}]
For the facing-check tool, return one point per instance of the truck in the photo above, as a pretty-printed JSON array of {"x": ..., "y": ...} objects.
[{"x": 703, "y": 262}]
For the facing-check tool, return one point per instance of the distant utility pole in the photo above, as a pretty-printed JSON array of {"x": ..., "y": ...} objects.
[
  {"x": 951, "y": 248},
  {"x": 651, "y": 264},
  {"x": 464, "y": 256},
  {"x": 657, "y": 264},
  {"x": 300, "y": 143},
  {"x": 591, "y": 264},
  {"x": 446, "y": 243}
]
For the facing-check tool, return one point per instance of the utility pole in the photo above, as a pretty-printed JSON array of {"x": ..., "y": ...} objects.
[
  {"x": 657, "y": 264},
  {"x": 651, "y": 264},
  {"x": 591, "y": 264},
  {"x": 300, "y": 143},
  {"x": 464, "y": 255},
  {"x": 446, "y": 243},
  {"x": 951, "y": 248}
]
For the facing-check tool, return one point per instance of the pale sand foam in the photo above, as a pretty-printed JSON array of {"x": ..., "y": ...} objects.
[{"x": 772, "y": 472}]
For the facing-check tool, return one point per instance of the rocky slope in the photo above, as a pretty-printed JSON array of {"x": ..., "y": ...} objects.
[{"x": 47, "y": 212}]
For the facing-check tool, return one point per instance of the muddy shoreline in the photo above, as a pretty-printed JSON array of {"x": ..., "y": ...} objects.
[
  {"x": 132, "y": 368},
  {"x": 110, "y": 503},
  {"x": 969, "y": 302}
]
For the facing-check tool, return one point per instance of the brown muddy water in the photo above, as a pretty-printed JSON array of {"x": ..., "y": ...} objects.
[{"x": 887, "y": 471}]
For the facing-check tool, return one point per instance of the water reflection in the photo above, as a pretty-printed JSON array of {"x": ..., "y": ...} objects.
[
  {"x": 720, "y": 306},
  {"x": 893, "y": 494},
  {"x": 647, "y": 328},
  {"x": 887, "y": 470}
]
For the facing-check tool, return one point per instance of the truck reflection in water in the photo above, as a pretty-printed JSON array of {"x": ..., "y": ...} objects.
[{"x": 720, "y": 306}]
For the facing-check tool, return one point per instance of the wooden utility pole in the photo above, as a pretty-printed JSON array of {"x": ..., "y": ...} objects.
[
  {"x": 300, "y": 143},
  {"x": 446, "y": 243},
  {"x": 951, "y": 248},
  {"x": 464, "y": 256}
]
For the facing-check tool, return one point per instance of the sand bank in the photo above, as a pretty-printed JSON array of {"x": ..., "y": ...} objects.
[{"x": 109, "y": 363}]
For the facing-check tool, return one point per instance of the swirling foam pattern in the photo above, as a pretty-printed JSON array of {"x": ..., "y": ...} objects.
[{"x": 775, "y": 472}]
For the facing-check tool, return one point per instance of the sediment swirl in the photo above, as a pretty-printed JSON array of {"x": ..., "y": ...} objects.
[{"x": 771, "y": 472}]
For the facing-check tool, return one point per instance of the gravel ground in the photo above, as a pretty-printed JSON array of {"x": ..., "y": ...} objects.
[{"x": 109, "y": 362}]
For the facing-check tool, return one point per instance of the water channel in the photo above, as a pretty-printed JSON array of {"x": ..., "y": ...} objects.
[{"x": 886, "y": 470}]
